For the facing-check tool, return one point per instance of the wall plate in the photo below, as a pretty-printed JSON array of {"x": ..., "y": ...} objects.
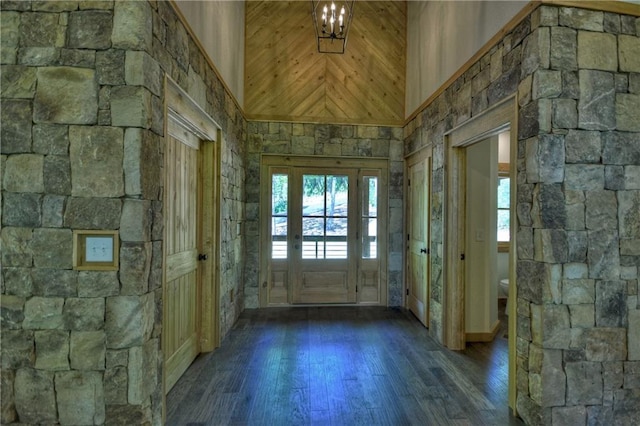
[{"x": 96, "y": 250}]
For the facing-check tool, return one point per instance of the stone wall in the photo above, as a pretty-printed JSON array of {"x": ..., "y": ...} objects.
[
  {"x": 577, "y": 75},
  {"x": 82, "y": 148},
  {"x": 324, "y": 140}
]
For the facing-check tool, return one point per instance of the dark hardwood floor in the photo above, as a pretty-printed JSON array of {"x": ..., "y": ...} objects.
[{"x": 341, "y": 366}]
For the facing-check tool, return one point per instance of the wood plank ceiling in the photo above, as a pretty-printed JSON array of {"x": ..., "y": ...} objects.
[{"x": 288, "y": 80}]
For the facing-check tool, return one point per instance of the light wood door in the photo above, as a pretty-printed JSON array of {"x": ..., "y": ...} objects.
[
  {"x": 323, "y": 224},
  {"x": 418, "y": 240},
  {"x": 182, "y": 279}
]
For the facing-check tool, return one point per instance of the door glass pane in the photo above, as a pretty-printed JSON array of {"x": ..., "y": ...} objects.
[
  {"x": 369, "y": 238},
  {"x": 503, "y": 225},
  {"x": 503, "y": 208},
  {"x": 324, "y": 216},
  {"x": 370, "y": 217},
  {"x": 279, "y": 220},
  {"x": 313, "y": 195}
]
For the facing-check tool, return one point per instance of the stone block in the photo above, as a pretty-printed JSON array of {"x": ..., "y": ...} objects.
[
  {"x": 546, "y": 84},
  {"x": 581, "y": 19},
  {"x": 88, "y": 350},
  {"x": 632, "y": 375},
  {"x": 583, "y": 146},
  {"x": 606, "y": 344},
  {"x": 536, "y": 51},
  {"x": 630, "y": 247},
  {"x": 611, "y": 304},
  {"x": 564, "y": 114},
  {"x": 578, "y": 291},
  {"x": 602, "y": 209},
  {"x": 16, "y": 117},
  {"x": 135, "y": 266},
  {"x": 597, "y": 51},
  {"x": 115, "y": 385},
  {"x": 129, "y": 320},
  {"x": 18, "y": 349},
  {"x": 550, "y": 245},
  {"x": 612, "y": 375},
  {"x": 43, "y": 313},
  {"x": 584, "y": 383},
  {"x": 564, "y": 47},
  {"x": 56, "y": 6},
  {"x": 66, "y": 95},
  {"x": 582, "y": 316},
  {"x": 142, "y": 70},
  {"x": 135, "y": 222},
  {"x": 52, "y": 248},
  {"x": 621, "y": 148},
  {"x": 127, "y": 415},
  {"x": 554, "y": 379},
  {"x": 12, "y": 312},
  {"x": 603, "y": 255},
  {"x": 629, "y": 214},
  {"x": 632, "y": 177},
  {"x": 614, "y": 177},
  {"x": 84, "y": 314},
  {"x": 551, "y": 153},
  {"x": 578, "y": 243},
  {"x": 52, "y": 211},
  {"x": 54, "y": 282},
  {"x": 90, "y": 29},
  {"x": 96, "y": 161},
  {"x": 79, "y": 58},
  {"x": 143, "y": 374},
  {"x": 584, "y": 177},
  {"x": 51, "y": 139},
  {"x": 132, "y": 26},
  {"x": 22, "y": 209},
  {"x": 556, "y": 333},
  {"x": 93, "y": 213},
  {"x": 17, "y": 82},
  {"x": 634, "y": 83},
  {"x": 629, "y": 53},
  {"x": 569, "y": 416},
  {"x": 628, "y": 112},
  {"x": 58, "y": 172},
  {"x": 633, "y": 337},
  {"x": 98, "y": 283},
  {"x": 596, "y": 107},
  {"x": 80, "y": 397},
  {"x": 131, "y": 107},
  {"x": 41, "y": 30},
  {"x": 117, "y": 358},
  {"x": 39, "y": 56},
  {"x": 142, "y": 164},
  {"x": 35, "y": 396},
  {"x": 9, "y": 28},
  {"x": 7, "y": 403},
  {"x": 16, "y": 246},
  {"x": 52, "y": 350},
  {"x": 110, "y": 67},
  {"x": 501, "y": 87}
]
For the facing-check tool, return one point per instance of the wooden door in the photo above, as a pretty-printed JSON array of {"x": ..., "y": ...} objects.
[
  {"x": 323, "y": 224},
  {"x": 182, "y": 276},
  {"x": 418, "y": 237}
]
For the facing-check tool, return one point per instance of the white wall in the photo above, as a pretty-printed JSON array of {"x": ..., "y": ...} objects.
[
  {"x": 481, "y": 246},
  {"x": 219, "y": 25},
  {"x": 443, "y": 35}
]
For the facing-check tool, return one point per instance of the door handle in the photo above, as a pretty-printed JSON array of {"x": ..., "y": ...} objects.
[
  {"x": 296, "y": 246},
  {"x": 202, "y": 257},
  {"x": 423, "y": 250},
  {"x": 297, "y": 237}
]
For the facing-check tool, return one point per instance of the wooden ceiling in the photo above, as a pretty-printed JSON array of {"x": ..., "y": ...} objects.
[{"x": 288, "y": 80}]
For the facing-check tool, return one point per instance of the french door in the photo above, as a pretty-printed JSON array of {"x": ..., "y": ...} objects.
[{"x": 323, "y": 233}]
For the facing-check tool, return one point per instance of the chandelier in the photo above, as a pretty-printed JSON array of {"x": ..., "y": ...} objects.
[{"x": 332, "y": 25}]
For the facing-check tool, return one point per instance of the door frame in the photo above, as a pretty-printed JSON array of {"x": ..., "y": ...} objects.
[
  {"x": 422, "y": 154},
  {"x": 180, "y": 107},
  {"x": 363, "y": 166},
  {"x": 498, "y": 118}
]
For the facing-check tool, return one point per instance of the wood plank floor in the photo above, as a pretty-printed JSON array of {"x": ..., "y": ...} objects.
[{"x": 341, "y": 366}]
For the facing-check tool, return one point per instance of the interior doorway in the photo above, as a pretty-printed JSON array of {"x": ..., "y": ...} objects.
[
  {"x": 191, "y": 234},
  {"x": 418, "y": 234},
  {"x": 469, "y": 223}
]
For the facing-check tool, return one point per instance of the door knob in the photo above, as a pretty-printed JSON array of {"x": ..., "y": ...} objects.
[{"x": 202, "y": 257}]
